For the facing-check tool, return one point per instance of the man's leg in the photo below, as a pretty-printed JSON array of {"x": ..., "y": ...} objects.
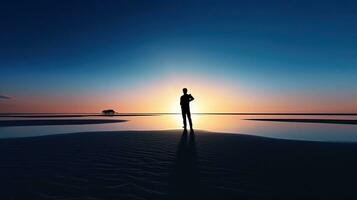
[
  {"x": 189, "y": 118},
  {"x": 184, "y": 118}
]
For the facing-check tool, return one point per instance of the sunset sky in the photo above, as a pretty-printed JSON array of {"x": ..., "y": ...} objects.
[{"x": 136, "y": 56}]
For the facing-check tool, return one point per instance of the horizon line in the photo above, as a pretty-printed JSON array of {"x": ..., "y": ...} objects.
[{"x": 199, "y": 113}]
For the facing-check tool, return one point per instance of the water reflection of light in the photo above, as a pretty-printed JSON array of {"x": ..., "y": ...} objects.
[{"x": 216, "y": 123}]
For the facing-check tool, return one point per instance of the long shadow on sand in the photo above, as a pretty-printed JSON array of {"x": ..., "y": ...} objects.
[{"x": 184, "y": 178}]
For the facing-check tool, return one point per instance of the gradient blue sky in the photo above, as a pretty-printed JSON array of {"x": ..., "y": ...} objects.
[{"x": 84, "y": 56}]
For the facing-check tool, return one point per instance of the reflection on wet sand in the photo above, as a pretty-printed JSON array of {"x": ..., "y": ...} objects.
[{"x": 214, "y": 123}]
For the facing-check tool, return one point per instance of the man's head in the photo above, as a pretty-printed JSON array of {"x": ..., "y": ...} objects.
[{"x": 184, "y": 90}]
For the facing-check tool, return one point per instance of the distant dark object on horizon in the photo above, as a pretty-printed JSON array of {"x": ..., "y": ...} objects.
[{"x": 108, "y": 112}]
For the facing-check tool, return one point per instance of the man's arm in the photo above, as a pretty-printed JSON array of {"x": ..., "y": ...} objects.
[{"x": 191, "y": 98}]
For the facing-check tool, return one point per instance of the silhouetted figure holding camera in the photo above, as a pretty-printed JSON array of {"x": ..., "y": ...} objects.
[{"x": 185, "y": 107}]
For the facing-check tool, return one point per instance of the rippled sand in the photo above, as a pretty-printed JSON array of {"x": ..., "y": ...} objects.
[{"x": 174, "y": 165}]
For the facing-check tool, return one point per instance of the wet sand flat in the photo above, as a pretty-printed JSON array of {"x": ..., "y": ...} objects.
[
  {"x": 323, "y": 121},
  {"x": 47, "y": 122},
  {"x": 174, "y": 165}
]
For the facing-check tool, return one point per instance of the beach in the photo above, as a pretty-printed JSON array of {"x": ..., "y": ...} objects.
[
  {"x": 95, "y": 96},
  {"x": 172, "y": 164}
]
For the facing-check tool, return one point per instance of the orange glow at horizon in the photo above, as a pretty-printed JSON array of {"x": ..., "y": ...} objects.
[
  {"x": 219, "y": 96},
  {"x": 163, "y": 96}
]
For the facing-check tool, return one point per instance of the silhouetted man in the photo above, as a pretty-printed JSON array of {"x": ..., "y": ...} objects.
[{"x": 185, "y": 107}]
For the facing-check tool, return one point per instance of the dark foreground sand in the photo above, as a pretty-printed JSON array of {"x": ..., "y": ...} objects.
[{"x": 174, "y": 165}]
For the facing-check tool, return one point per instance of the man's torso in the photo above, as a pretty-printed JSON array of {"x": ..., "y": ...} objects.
[{"x": 185, "y": 101}]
